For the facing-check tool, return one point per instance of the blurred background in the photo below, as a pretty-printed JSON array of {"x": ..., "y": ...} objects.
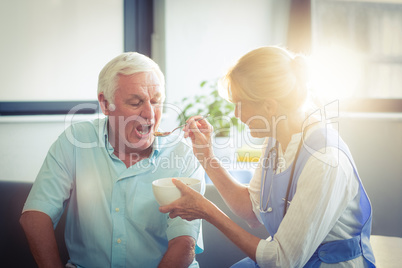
[{"x": 51, "y": 52}]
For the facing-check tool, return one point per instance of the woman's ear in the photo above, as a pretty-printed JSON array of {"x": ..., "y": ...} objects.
[
  {"x": 271, "y": 107},
  {"x": 104, "y": 104}
]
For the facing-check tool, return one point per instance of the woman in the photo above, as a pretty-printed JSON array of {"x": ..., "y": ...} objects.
[{"x": 306, "y": 190}]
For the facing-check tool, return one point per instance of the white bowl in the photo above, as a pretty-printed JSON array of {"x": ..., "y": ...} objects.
[{"x": 166, "y": 192}]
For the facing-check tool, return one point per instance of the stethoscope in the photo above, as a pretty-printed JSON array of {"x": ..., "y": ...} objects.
[{"x": 271, "y": 163}]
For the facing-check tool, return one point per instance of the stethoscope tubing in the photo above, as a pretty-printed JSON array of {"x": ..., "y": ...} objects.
[
  {"x": 268, "y": 164},
  {"x": 274, "y": 166}
]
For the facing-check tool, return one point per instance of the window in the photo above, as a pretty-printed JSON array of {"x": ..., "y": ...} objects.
[{"x": 360, "y": 45}]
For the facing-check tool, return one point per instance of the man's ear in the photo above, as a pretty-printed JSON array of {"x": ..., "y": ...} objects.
[{"x": 104, "y": 104}]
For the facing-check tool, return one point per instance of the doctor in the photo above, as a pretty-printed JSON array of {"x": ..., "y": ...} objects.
[{"x": 306, "y": 190}]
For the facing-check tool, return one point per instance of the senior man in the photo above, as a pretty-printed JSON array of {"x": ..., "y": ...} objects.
[{"x": 103, "y": 170}]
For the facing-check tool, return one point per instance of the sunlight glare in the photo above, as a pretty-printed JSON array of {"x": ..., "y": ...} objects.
[{"x": 335, "y": 73}]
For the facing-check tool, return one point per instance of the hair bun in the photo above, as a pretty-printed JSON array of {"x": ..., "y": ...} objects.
[{"x": 300, "y": 68}]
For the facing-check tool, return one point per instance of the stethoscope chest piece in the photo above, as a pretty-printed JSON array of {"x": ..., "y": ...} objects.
[{"x": 269, "y": 209}]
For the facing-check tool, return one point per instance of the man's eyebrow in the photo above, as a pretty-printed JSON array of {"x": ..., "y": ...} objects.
[
  {"x": 157, "y": 95},
  {"x": 135, "y": 96}
]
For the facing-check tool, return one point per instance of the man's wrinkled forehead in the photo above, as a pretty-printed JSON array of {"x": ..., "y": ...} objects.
[
  {"x": 156, "y": 95},
  {"x": 140, "y": 84},
  {"x": 143, "y": 92}
]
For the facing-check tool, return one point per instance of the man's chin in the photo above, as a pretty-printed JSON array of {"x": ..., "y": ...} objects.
[{"x": 140, "y": 145}]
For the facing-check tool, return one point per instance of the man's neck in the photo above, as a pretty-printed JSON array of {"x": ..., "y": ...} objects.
[{"x": 131, "y": 157}]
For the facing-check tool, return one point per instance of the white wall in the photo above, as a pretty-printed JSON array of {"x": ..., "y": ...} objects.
[{"x": 54, "y": 50}]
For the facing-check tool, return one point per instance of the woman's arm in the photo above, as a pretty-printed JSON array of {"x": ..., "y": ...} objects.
[
  {"x": 242, "y": 239},
  {"x": 235, "y": 195},
  {"x": 192, "y": 206}
]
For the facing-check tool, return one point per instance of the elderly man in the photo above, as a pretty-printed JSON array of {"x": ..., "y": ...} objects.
[{"x": 104, "y": 170}]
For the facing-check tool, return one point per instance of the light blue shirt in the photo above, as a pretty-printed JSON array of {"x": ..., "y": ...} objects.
[{"x": 112, "y": 216}]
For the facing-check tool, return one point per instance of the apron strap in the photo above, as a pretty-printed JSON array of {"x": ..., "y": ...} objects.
[{"x": 336, "y": 251}]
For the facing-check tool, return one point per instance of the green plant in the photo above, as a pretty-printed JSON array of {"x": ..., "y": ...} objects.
[{"x": 210, "y": 102}]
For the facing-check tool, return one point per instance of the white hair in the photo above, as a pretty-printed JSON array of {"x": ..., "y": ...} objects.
[{"x": 126, "y": 64}]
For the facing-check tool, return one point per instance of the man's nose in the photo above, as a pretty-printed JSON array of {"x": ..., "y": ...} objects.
[{"x": 148, "y": 111}]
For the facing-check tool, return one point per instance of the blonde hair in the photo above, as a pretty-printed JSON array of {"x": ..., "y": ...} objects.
[{"x": 269, "y": 72}]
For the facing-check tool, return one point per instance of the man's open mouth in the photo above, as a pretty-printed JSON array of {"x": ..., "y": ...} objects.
[{"x": 143, "y": 129}]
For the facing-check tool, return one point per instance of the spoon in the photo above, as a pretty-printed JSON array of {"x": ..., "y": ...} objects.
[{"x": 164, "y": 134}]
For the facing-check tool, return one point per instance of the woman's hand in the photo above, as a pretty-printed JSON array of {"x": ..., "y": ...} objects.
[
  {"x": 190, "y": 206},
  {"x": 200, "y": 133}
]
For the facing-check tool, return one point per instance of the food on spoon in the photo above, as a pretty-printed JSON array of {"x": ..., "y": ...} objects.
[{"x": 157, "y": 134}]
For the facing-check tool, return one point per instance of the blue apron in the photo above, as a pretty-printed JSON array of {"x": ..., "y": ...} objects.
[{"x": 331, "y": 252}]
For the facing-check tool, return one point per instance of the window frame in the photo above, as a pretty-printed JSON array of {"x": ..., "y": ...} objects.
[{"x": 365, "y": 105}]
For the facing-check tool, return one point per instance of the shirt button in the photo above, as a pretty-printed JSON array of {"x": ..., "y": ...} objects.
[
  {"x": 119, "y": 241},
  {"x": 269, "y": 209},
  {"x": 117, "y": 209}
]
